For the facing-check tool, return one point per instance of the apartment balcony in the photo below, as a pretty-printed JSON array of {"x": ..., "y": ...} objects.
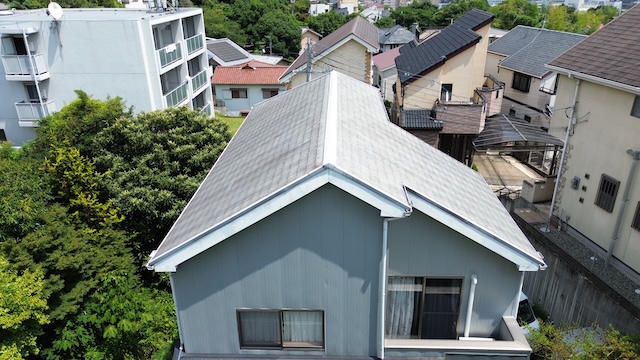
[
  {"x": 206, "y": 110},
  {"x": 29, "y": 113},
  {"x": 178, "y": 95},
  {"x": 25, "y": 67},
  {"x": 169, "y": 54},
  {"x": 199, "y": 81},
  {"x": 195, "y": 43}
]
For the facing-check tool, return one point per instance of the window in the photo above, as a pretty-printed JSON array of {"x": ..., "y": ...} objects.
[
  {"x": 636, "y": 218},
  {"x": 422, "y": 308},
  {"x": 527, "y": 118},
  {"x": 3, "y": 135},
  {"x": 607, "y": 192},
  {"x": 269, "y": 93},
  {"x": 521, "y": 82},
  {"x": 635, "y": 109},
  {"x": 445, "y": 92},
  {"x": 281, "y": 328},
  {"x": 512, "y": 112},
  {"x": 238, "y": 93},
  {"x": 32, "y": 93}
]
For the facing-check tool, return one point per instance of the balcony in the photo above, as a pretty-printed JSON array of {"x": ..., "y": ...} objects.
[
  {"x": 206, "y": 110},
  {"x": 195, "y": 43},
  {"x": 29, "y": 113},
  {"x": 199, "y": 81},
  {"x": 24, "y": 67},
  {"x": 178, "y": 95},
  {"x": 169, "y": 54}
]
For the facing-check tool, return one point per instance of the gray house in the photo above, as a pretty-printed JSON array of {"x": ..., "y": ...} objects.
[{"x": 326, "y": 231}]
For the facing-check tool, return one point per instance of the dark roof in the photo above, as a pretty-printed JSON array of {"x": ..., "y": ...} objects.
[
  {"x": 611, "y": 53},
  {"x": 432, "y": 53},
  {"x": 500, "y": 130},
  {"x": 528, "y": 49},
  {"x": 358, "y": 27},
  {"x": 395, "y": 35},
  {"x": 419, "y": 119},
  {"x": 225, "y": 51}
]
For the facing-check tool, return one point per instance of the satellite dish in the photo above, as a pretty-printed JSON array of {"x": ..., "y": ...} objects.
[{"x": 55, "y": 10}]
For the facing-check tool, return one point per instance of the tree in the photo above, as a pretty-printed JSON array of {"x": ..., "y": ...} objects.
[
  {"x": 511, "y": 13},
  {"x": 218, "y": 25},
  {"x": 416, "y": 12},
  {"x": 454, "y": 10},
  {"x": 326, "y": 23},
  {"x": 282, "y": 33},
  {"x": 22, "y": 311},
  {"x": 385, "y": 22}
]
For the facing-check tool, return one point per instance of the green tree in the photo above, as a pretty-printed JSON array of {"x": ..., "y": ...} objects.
[
  {"x": 385, "y": 22},
  {"x": 218, "y": 25},
  {"x": 326, "y": 23},
  {"x": 279, "y": 32},
  {"x": 417, "y": 12},
  {"x": 511, "y": 13},
  {"x": 558, "y": 18},
  {"x": 300, "y": 9},
  {"x": 22, "y": 311},
  {"x": 454, "y": 10}
]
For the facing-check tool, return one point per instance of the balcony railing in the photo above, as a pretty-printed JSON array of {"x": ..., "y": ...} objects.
[
  {"x": 206, "y": 110},
  {"x": 29, "y": 113},
  {"x": 24, "y": 65},
  {"x": 195, "y": 43},
  {"x": 170, "y": 54},
  {"x": 200, "y": 80},
  {"x": 177, "y": 95}
]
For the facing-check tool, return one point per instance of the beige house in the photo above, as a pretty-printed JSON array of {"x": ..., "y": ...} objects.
[
  {"x": 444, "y": 78},
  {"x": 348, "y": 50},
  {"x": 598, "y": 197},
  {"x": 308, "y": 37}
]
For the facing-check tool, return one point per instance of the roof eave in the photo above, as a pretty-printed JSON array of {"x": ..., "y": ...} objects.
[{"x": 595, "y": 79}]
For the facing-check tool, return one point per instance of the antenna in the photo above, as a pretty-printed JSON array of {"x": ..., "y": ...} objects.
[{"x": 55, "y": 10}]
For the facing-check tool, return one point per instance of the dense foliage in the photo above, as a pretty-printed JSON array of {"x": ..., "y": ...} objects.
[{"x": 86, "y": 202}]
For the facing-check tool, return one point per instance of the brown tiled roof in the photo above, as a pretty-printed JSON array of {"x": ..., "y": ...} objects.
[
  {"x": 358, "y": 27},
  {"x": 611, "y": 53},
  {"x": 251, "y": 73}
]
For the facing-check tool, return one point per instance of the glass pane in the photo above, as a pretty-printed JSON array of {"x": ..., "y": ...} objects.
[
  {"x": 403, "y": 303},
  {"x": 259, "y": 328},
  {"x": 440, "y": 308},
  {"x": 302, "y": 328}
]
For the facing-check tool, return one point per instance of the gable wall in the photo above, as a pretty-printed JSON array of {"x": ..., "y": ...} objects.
[
  {"x": 420, "y": 246},
  {"x": 254, "y": 96}
]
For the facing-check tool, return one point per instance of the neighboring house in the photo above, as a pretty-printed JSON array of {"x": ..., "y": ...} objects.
[
  {"x": 373, "y": 12},
  {"x": 325, "y": 231},
  {"x": 348, "y": 50},
  {"x": 391, "y": 38},
  {"x": 517, "y": 59},
  {"x": 152, "y": 59},
  {"x": 316, "y": 8},
  {"x": 226, "y": 53},
  {"x": 445, "y": 75},
  {"x": 385, "y": 73},
  {"x": 239, "y": 88},
  {"x": 308, "y": 37},
  {"x": 598, "y": 100},
  {"x": 394, "y": 4}
]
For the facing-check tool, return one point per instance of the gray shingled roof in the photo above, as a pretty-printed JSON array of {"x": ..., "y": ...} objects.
[
  {"x": 611, "y": 53},
  {"x": 414, "y": 61},
  {"x": 395, "y": 35},
  {"x": 419, "y": 119},
  {"x": 336, "y": 122},
  {"x": 528, "y": 49},
  {"x": 358, "y": 27}
]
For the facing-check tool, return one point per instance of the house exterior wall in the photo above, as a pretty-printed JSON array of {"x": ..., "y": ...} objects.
[
  {"x": 421, "y": 246},
  {"x": 514, "y": 99},
  {"x": 234, "y": 107},
  {"x": 105, "y": 57},
  {"x": 351, "y": 59},
  {"x": 336, "y": 264},
  {"x": 605, "y": 130},
  {"x": 385, "y": 80}
]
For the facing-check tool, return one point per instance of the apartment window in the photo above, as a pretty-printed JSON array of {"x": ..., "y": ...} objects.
[
  {"x": 445, "y": 92},
  {"x": 635, "y": 109},
  {"x": 269, "y": 93},
  {"x": 521, "y": 82},
  {"x": 607, "y": 192},
  {"x": 3, "y": 135},
  {"x": 238, "y": 93},
  {"x": 32, "y": 93},
  {"x": 302, "y": 329},
  {"x": 422, "y": 308}
]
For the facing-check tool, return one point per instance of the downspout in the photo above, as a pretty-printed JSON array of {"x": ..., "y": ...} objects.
[
  {"x": 572, "y": 121},
  {"x": 472, "y": 295},
  {"x": 635, "y": 154}
]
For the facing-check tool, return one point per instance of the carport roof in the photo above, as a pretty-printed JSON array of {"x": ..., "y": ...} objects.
[{"x": 503, "y": 132}]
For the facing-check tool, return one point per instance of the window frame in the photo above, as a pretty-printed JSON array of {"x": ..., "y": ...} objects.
[
  {"x": 635, "y": 222},
  {"x": 635, "y": 107},
  {"x": 446, "y": 89},
  {"x": 236, "y": 93},
  {"x": 270, "y": 92},
  {"x": 521, "y": 82},
  {"x": 281, "y": 344},
  {"x": 607, "y": 193}
]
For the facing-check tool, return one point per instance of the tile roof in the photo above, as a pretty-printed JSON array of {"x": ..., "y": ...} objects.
[
  {"x": 419, "y": 119},
  {"x": 386, "y": 59},
  {"x": 528, "y": 49},
  {"x": 251, "y": 73},
  {"x": 611, "y": 53},
  {"x": 338, "y": 124},
  {"x": 433, "y": 52},
  {"x": 358, "y": 27},
  {"x": 395, "y": 35}
]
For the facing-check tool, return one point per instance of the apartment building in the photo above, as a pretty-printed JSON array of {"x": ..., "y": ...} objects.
[{"x": 152, "y": 58}]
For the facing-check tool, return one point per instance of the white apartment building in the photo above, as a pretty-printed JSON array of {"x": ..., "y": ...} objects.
[{"x": 151, "y": 58}]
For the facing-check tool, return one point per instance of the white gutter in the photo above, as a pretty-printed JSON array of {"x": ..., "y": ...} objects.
[
  {"x": 609, "y": 83},
  {"x": 625, "y": 198},
  {"x": 472, "y": 295}
]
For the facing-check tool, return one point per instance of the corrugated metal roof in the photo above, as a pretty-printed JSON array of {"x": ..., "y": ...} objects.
[
  {"x": 502, "y": 129},
  {"x": 336, "y": 122}
]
